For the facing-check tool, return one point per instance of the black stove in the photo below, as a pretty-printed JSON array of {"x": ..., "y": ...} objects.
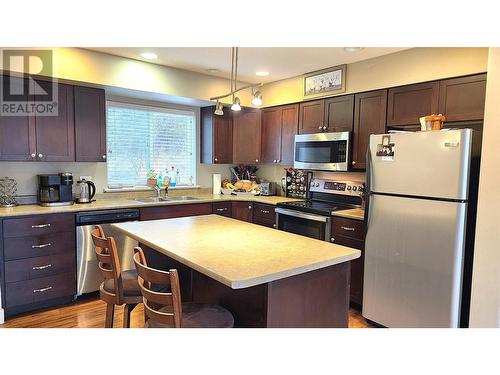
[{"x": 327, "y": 196}]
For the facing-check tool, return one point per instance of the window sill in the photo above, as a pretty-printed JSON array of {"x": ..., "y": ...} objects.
[{"x": 146, "y": 188}]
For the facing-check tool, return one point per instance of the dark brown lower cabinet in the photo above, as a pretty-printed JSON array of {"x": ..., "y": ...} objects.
[
  {"x": 263, "y": 214},
  {"x": 242, "y": 211},
  {"x": 222, "y": 208},
  {"x": 39, "y": 261},
  {"x": 181, "y": 210},
  {"x": 351, "y": 233}
]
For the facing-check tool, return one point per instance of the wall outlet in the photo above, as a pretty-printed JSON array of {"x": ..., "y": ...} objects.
[{"x": 88, "y": 178}]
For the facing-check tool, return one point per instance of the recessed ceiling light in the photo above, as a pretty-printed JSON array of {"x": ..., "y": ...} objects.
[
  {"x": 149, "y": 55},
  {"x": 262, "y": 74},
  {"x": 213, "y": 70},
  {"x": 352, "y": 49}
]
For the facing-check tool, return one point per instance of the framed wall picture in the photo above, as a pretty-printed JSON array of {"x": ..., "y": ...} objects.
[{"x": 326, "y": 81}]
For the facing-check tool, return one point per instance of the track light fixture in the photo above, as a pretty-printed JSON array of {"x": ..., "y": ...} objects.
[
  {"x": 219, "y": 109},
  {"x": 236, "y": 106}
]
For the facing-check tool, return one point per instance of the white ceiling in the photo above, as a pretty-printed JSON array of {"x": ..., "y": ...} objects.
[{"x": 280, "y": 62}]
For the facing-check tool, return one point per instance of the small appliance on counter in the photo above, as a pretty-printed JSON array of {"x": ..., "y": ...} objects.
[
  {"x": 267, "y": 188},
  {"x": 55, "y": 189},
  {"x": 85, "y": 190},
  {"x": 297, "y": 183},
  {"x": 8, "y": 192}
]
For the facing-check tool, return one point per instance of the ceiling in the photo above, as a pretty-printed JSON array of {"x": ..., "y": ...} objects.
[{"x": 280, "y": 62}]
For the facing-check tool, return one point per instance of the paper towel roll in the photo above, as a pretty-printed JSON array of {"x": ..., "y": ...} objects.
[{"x": 216, "y": 183}]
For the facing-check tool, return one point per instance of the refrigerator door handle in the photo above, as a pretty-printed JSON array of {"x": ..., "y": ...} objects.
[{"x": 368, "y": 187}]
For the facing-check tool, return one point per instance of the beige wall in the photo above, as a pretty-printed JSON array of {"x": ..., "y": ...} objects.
[
  {"x": 82, "y": 65},
  {"x": 485, "y": 305},
  {"x": 400, "y": 68}
]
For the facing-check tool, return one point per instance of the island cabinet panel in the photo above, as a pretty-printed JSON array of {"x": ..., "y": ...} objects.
[
  {"x": 216, "y": 136},
  {"x": 55, "y": 135},
  {"x": 370, "y": 110},
  {"x": 351, "y": 233},
  {"x": 311, "y": 116},
  {"x": 222, "y": 208},
  {"x": 17, "y": 133},
  {"x": 90, "y": 124},
  {"x": 247, "y": 136},
  {"x": 242, "y": 211},
  {"x": 181, "y": 210},
  {"x": 339, "y": 113},
  {"x": 462, "y": 99},
  {"x": 406, "y": 104},
  {"x": 39, "y": 261},
  {"x": 264, "y": 214},
  {"x": 271, "y": 134}
]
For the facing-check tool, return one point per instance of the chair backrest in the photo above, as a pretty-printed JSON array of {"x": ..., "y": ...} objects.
[
  {"x": 109, "y": 263},
  {"x": 160, "y": 291}
]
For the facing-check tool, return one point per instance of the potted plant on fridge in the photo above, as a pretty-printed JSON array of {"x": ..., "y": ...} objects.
[{"x": 151, "y": 178}]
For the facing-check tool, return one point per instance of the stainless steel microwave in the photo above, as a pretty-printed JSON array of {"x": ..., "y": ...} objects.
[{"x": 322, "y": 151}]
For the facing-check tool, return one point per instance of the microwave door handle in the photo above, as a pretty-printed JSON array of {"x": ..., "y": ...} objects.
[{"x": 302, "y": 215}]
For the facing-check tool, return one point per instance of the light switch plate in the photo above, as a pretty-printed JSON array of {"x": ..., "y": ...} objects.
[{"x": 88, "y": 178}]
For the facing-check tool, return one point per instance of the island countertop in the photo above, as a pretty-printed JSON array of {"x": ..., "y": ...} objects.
[{"x": 236, "y": 253}]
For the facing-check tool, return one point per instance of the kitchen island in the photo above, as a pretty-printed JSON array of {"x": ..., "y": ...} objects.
[{"x": 265, "y": 277}]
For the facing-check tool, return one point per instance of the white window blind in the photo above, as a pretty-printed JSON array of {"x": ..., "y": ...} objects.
[{"x": 141, "y": 138}]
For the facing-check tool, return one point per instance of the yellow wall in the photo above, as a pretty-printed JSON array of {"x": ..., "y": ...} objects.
[
  {"x": 82, "y": 65},
  {"x": 400, "y": 68},
  {"x": 485, "y": 305}
]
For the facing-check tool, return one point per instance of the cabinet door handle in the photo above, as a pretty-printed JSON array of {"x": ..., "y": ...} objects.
[
  {"x": 222, "y": 209},
  {"x": 324, "y": 127},
  {"x": 41, "y": 246},
  {"x": 249, "y": 207},
  {"x": 216, "y": 160},
  {"x": 33, "y": 156},
  {"x": 332, "y": 239},
  {"x": 353, "y": 162},
  {"x": 256, "y": 160},
  {"x": 41, "y": 226},
  {"x": 40, "y": 156},
  {"x": 264, "y": 211},
  {"x": 104, "y": 157},
  {"x": 42, "y": 267},
  {"x": 42, "y": 290},
  {"x": 350, "y": 229},
  {"x": 320, "y": 127},
  {"x": 278, "y": 161}
]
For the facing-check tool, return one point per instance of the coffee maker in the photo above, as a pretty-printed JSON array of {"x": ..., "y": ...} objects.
[{"x": 55, "y": 189}]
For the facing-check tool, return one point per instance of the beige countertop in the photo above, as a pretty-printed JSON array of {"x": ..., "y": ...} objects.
[
  {"x": 236, "y": 253},
  {"x": 354, "y": 213},
  {"x": 115, "y": 203}
]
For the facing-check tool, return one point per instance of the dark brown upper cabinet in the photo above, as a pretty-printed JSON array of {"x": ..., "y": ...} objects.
[
  {"x": 406, "y": 104},
  {"x": 90, "y": 124},
  {"x": 339, "y": 113},
  {"x": 462, "y": 99},
  {"x": 216, "y": 134},
  {"x": 279, "y": 127},
  {"x": 370, "y": 110},
  {"x": 17, "y": 133},
  {"x": 55, "y": 135},
  {"x": 312, "y": 116},
  {"x": 289, "y": 128},
  {"x": 246, "y": 136}
]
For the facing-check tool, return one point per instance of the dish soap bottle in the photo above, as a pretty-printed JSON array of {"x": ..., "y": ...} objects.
[{"x": 173, "y": 177}]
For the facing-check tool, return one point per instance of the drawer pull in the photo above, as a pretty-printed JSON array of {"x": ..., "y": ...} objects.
[
  {"x": 40, "y": 246},
  {"x": 222, "y": 209},
  {"x": 42, "y": 267},
  {"x": 350, "y": 229},
  {"x": 264, "y": 211},
  {"x": 41, "y": 226},
  {"x": 42, "y": 290}
]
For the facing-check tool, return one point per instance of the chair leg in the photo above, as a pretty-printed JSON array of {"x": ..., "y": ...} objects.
[
  {"x": 126, "y": 314},
  {"x": 110, "y": 315}
]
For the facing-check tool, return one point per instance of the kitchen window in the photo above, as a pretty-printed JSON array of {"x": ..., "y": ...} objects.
[{"x": 144, "y": 138}]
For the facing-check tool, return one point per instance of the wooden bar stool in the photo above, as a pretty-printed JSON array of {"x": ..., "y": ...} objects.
[
  {"x": 118, "y": 287},
  {"x": 162, "y": 301}
]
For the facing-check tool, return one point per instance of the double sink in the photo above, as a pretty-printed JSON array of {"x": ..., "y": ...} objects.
[{"x": 164, "y": 199}]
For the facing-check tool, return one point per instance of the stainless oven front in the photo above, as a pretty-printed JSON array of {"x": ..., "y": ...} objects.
[
  {"x": 303, "y": 223},
  {"x": 322, "y": 151}
]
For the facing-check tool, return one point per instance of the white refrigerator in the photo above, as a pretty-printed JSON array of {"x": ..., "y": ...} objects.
[{"x": 417, "y": 191}]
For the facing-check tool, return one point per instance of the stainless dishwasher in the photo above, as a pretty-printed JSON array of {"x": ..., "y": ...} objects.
[{"x": 87, "y": 270}]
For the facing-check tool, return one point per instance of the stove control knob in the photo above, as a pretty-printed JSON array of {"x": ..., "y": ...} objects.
[
  {"x": 349, "y": 187},
  {"x": 354, "y": 188}
]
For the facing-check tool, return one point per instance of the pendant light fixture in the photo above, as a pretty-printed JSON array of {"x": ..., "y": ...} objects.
[{"x": 236, "y": 104}]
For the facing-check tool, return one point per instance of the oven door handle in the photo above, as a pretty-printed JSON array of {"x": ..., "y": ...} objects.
[{"x": 303, "y": 215}]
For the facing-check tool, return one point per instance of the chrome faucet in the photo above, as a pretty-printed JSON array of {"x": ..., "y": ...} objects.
[{"x": 158, "y": 191}]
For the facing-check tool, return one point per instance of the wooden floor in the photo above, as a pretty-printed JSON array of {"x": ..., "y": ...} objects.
[{"x": 90, "y": 314}]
